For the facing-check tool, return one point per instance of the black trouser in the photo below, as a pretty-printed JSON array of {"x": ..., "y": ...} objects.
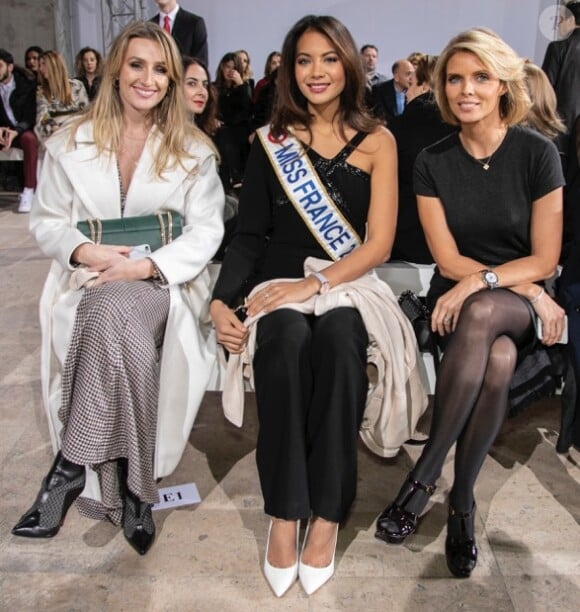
[{"x": 311, "y": 385}]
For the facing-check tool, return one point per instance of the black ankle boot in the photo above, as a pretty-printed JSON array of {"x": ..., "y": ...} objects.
[
  {"x": 61, "y": 486},
  {"x": 138, "y": 525},
  {"x": 396, "y": 523},
  {"x": 460, "y": 548}
]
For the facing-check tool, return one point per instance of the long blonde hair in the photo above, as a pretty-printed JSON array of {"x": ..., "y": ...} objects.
[
  {"x": 500, "y": 59},
  {"x": 170, "y": 116},
  {"x": 247, "y": 72},
  {"x": 56, "y": 84}
]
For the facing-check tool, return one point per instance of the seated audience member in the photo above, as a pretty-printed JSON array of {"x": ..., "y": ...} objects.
[
  {"x": 58, "y": 96},
  {"x": 388, "y": 98},
  {"x": 543, "y": 117},
  {"x": 264, "y": 105},
  {"x": 569, "y": 294},
  {"x": 31, "y": 59},
  {"x": 200, "y": 95},
  {"x": 419, "y": 126},
  {"x": 247, "y": 73},
  {"x": 272, "y": 62},
  {"x": 369, "y": 55},
  {"x": 490, "y": 202},
  {"x": 17, "y": 117},
  {"x": 201, "y": 101},
  {"x": 88, "y": 64},
  {"x": 130, "y": 358},
  {"x": 188, "y": 30},
  {"x": 310, "y": 362},
  {"x": 235, "y": 116}
]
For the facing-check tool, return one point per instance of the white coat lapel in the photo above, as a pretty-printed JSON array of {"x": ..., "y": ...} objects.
[
  {"x": 94, "y": 177},
  {"x": 147, "y": 193}
]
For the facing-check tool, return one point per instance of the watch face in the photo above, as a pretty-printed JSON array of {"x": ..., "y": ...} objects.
[
  {"x": 490, "y": 278},
  {"x": 324, "y": 288}
]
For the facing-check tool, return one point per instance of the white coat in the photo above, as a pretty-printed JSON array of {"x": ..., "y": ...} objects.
[{"x": 76, "y": 184}]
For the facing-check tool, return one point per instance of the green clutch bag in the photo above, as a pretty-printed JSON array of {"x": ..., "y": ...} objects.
[{"x": 155, "y": 230}]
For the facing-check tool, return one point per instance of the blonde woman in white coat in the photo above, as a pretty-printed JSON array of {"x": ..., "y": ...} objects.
[{"x": 120, "y": 409}]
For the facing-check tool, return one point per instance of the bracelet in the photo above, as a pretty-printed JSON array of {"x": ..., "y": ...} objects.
[
  {"x": 535, "y": 299},
  {"x": 156, "y": 275}
]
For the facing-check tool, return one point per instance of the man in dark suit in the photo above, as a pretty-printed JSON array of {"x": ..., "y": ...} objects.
[
  {"x": 388, "y": 98},
  {"x": 187, "y": 29},
  {"x": 562, "y": 66},
  {"x": 17, "y": 118}
]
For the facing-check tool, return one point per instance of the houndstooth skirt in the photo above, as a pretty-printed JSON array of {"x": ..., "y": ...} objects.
[{"x": 110, "y": 387}]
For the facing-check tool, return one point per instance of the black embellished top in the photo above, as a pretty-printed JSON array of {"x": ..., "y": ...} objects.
[{"x": 271, "y": 239}]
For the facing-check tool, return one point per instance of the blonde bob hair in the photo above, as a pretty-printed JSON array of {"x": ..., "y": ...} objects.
[
  {"x": 500, "y": 59},
  {"x": 169, "y": 117}
]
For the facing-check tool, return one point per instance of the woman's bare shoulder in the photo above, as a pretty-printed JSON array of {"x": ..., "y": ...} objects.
[{"x": 379, "y": 140}]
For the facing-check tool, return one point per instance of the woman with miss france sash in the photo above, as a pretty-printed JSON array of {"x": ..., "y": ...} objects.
[
  {"x": 302, "y": 185},
  {"x": 321, "y": 182}
]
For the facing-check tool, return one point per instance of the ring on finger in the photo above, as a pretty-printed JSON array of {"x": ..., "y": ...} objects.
[{"x": 447, "y": 320}]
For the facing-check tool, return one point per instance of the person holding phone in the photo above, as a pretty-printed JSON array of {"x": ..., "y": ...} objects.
[{"x": 127, "y": 360}]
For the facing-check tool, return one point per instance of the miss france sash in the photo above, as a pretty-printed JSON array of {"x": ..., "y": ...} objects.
[{"x": 308, "y": 195}]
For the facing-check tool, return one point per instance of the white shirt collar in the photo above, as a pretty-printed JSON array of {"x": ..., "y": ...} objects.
[{"x": 170, "y": 15}]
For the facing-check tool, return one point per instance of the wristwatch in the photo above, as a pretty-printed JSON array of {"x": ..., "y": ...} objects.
[
  {"x": 324, "y": 282},
  {"x": 490, "y": 279}
]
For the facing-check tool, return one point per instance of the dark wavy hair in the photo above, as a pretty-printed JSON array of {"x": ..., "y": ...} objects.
[
  {"x": 291, "y": 106},
  {"x": 205, "y": 121},
  {"x": 79, "y": 67}
]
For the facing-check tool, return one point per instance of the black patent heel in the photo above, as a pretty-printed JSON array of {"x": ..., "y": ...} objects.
[
  {"x": 395, "y": 523},
  {"x": 460, "y": 550}
]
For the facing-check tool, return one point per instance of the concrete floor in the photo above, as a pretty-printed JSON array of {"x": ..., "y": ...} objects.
[{"x": 208, "y": 556}]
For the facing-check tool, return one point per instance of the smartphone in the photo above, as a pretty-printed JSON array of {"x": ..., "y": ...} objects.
[
  {"x": 140, "y": 251},
  {"x": 563, "y": 338}
]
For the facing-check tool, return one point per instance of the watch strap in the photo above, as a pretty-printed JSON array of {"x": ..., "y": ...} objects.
[{"x": 321, "y": 279}]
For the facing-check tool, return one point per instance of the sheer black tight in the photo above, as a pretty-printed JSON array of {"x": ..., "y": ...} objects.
[{"x": 471, "y": 395}]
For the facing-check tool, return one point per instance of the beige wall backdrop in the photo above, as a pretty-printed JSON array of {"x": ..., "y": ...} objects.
[{"x": 24, "y": 23}]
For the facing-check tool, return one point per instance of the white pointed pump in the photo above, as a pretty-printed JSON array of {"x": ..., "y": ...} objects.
[
  {"x": 312, "y": 578},
  {"x": 281, "y": 579}
]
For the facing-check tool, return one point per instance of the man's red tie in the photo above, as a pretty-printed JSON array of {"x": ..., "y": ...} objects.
[{"x": 167, "y": 24}]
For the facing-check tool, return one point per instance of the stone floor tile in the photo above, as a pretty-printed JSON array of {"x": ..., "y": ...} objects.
[{"x": 208, "y": 556}]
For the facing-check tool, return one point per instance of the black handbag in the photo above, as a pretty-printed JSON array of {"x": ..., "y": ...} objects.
[
  {"x": 155, "y": 230},
  {"x": 418, "y": 314}
]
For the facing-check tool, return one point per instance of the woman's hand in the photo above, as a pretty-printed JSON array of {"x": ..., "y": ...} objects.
[
  {"x": 236, "y": 77},
  {"x": 112, "y": 263},
  {"x": 279, "y": 293},
  {"x": 446, "y": 312},
  {"x": 231, "y": 332},
  {"x": 99, "y": 256},
  {"x": 552, "y": 317},
  {"x": 124, "y": 269}
]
